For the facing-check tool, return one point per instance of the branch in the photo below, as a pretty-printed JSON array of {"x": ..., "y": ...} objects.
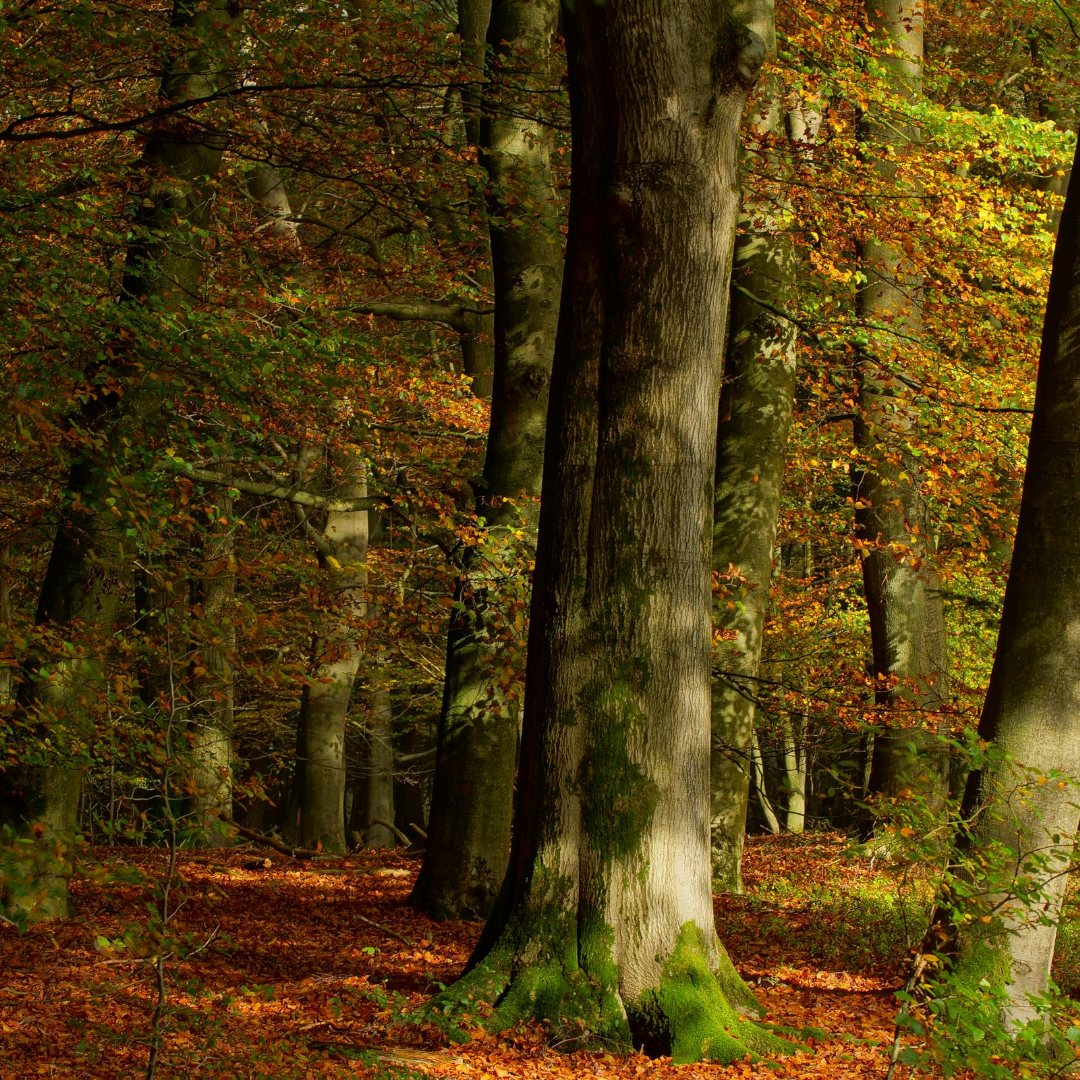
[
  {"x": 284, "y": 492},
  {"x": 270, "y": 841},
  {"x": 386, "y": 930},
  {"x": 393, "y": 828},
  {"x": 460, "y": 317}
]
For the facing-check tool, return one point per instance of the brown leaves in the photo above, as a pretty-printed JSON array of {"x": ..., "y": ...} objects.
[{"x": 314, "y": 979}]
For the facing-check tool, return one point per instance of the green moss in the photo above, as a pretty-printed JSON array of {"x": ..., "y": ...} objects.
[
  {"x": 617, "y": 798},
  {"x": 534, "y": 973},
  {"x": 691, "y": 1016}
]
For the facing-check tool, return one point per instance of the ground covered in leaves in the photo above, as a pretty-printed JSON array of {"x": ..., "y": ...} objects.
[{"x": 312, "y": 968}]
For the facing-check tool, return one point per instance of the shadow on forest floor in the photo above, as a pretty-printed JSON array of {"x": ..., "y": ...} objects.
[{"x": 309, "y": 964}]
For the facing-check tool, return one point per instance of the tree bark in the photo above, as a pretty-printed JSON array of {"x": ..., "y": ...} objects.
[
  {"x": 319, "y": 780},
  {"x": 380, "y": 770},
  {"x": 210, "y": 682},
  {"x": 469, "y": 825},
  {"x": 605, "y": 926},
  {"x": 1031, "y": 710},
  {"x": 892, "y": 523},
  {"x": 81, "y": 590},
  {"x": 755, "y": 414}
]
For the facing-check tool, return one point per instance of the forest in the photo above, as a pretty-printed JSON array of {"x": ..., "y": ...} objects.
[{"x": 539, "y": 538}]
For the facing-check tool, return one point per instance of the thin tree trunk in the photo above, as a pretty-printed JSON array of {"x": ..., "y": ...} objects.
[
  {"x": 83, "y": 581},
  {"x": 757, "y": 768},
  {"x": 7, "y": 616},
  {"x": 380, "y": 770},
  {"x": 210, "y": 681},
  {"x": 893, "y": 527},
  {"x": 469, "y": 826},
  {"x": 319, "y": 781},
  {"x": 794, "y": 734},
  {"x": 605, "y": 924},
  {"x": 755, "y": 415}
]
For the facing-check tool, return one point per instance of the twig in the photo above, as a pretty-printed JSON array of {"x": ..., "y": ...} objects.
[
  {"x": 416, "y": 828},
  {"x": 386, "y": 930}
]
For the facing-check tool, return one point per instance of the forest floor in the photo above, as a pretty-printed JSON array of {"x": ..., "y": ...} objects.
[{"x": 310, "y": 969}]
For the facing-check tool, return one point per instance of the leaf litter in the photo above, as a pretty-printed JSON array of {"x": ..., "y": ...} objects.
[{"x": 313, "y": 969}]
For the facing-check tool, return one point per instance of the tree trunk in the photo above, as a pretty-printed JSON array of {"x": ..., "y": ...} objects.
[
  {"x": 7, "y": 625},
  {"x": 1031, "y": 706},
  {"x": 477, "y": 346},
  {"x": 210, "y": 683},
  {"x": 795, "y": 752},
  {"x": 755, "y": 415},
  {"x": 893, "y": 527},
  {"x": 469, "y": 826},
  {"x": 81, "y": 591},
  {"x": 605, "y": 926},
  {"x": 757, "y": 772},
  {"x": 319, "y": 781},
  {"x": 380, "y": 770}
]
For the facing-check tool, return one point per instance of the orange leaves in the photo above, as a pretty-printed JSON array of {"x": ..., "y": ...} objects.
[{"x": 305, "y": 988}]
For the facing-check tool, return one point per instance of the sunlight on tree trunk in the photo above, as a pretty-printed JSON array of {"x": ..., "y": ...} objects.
[
  {"x": 604, "y": 926},
  {"x": 1026, "y": 805},
  {"x": 755, "y": 415}
]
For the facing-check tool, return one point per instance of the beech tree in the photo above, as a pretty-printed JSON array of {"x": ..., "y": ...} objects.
[
  {"x": 755, "y": 414},
  {"x": 469, "y": 824},
  {"x": 893, "y": 525},
  {"x": 1024, "y": 805},
  {"x": 604, "y": 925}
]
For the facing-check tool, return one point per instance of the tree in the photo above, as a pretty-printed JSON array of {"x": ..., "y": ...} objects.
[
  {"x": 893, "y": 524},
  {"x": 1024, "y": 805},
  {"x": 604, "y": 925},
  {"x": 469, "y": 824},
  {"x": 341, "y": 544},
  {"x": 755, "y": 414},
  {"x": 81, "y": 590}
]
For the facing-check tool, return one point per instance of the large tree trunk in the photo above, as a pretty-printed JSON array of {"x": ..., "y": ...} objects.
[
  {"x": 469, "y": 826},
  {"x": 755, "y": 414},
  {"x": 605, "y": 926},
  {"x": 319, "y": 780},
  {"x": 1032, "y": 709},
  {"x": 81, "y": 591},
  {"x": 893, "y": 527}
]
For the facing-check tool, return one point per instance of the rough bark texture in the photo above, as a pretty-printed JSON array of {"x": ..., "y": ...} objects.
[
  {"x": 81, "y": 590},
  {"x": 319, "y": 781},
  {"x": 1033, "y": 703},
  {"x": 469, "y": 826},
  {"x": 604, "y": 926},
  {"x": 755, "y": 415},
  {"x": 893, "y": 528}
]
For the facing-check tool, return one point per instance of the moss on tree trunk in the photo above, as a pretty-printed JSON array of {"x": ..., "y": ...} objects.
[{"x": 604, "y": 925}]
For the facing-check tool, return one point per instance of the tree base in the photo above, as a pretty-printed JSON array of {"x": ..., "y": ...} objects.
[{"x": 698, "y": 1013}]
